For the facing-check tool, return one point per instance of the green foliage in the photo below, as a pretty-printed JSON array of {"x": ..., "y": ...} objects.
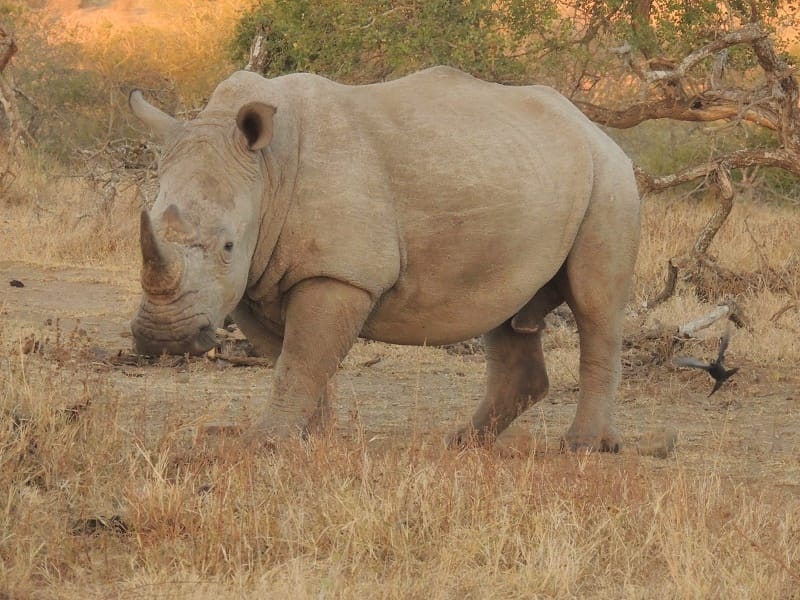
[
  {"x": 61, "y": 104},
  {"x": 370, "y": 40},
  {"x": 499, "y": 40}
]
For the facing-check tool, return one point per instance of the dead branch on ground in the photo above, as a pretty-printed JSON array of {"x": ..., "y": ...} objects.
[{"x": 658, "y": 344}]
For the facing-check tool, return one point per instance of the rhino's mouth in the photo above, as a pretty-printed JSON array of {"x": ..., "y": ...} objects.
[
  {"x": 199, "y": 343},
  {"x": 193, "y": 334}
]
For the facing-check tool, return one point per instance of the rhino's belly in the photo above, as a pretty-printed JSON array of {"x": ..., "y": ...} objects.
[
  {"x": 465, "y": 280},
  {"x": 442, "y": 314},
  {"x": 432, "y": 329}
]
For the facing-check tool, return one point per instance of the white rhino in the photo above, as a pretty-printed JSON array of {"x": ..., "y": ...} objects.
[{"x": 425, "y": 210}]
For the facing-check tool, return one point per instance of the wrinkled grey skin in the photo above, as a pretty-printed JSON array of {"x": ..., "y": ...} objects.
[{"x": 425, "y": 210}]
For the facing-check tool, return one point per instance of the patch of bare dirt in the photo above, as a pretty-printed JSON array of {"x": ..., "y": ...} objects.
[{"x": 748, "y": 430}]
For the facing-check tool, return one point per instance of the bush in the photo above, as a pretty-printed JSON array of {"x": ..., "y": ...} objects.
[{"x": 371, "y": 40}]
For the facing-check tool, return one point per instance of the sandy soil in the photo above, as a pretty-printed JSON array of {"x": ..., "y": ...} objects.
[{"x": 748, "y": 431}]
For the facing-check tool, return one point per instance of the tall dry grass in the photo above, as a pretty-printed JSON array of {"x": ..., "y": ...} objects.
[
  {"x": 185, "y": 519},
  {"x": 97, "y": 503},
  {"x": 758, "y": 242},
  {"x": 54, "y": 215}
]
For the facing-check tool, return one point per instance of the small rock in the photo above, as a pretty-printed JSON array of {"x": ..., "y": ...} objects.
[{"x": 16, "y": 283}]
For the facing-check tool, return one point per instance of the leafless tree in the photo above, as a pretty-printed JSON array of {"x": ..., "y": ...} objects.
[{"x": 665, "y": 84}]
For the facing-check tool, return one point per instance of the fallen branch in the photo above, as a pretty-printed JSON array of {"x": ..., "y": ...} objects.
[
  {"x": 689, "y": 329},
  {"x": 657, "y": 345},
  {"x": 242, "y": 361}
]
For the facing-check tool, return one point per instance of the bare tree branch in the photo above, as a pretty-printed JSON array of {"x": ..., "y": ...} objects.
[
  {"x": 749, "y": 34},
  {"x": 712, "y": 105},
  {"x": 740, "y": 159}
]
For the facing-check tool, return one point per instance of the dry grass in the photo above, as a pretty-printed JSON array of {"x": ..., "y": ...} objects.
[
  {"x": 758, "y": 242},
  {"x": 52, "y": 216},
  {"x": 755, "y": 237},
  {"x": 354, "y": 519}
]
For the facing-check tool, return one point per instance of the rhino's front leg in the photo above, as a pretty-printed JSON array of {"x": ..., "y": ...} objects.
[{"x": 323, "y": 319}]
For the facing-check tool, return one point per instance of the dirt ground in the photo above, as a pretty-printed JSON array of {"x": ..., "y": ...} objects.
[{"x": 748, "y": 431}]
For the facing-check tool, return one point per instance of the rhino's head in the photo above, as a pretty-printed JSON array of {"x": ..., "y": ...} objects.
[{"x": 198, "y": 240}]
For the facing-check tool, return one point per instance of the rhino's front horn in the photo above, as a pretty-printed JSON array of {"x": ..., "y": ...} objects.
[{"x": 161, "y": 263}]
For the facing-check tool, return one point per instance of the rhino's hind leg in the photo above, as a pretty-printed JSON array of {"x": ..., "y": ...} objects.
[
  {"x": 596, "y": 285},
  {"x": 516, "y": 379},
  {"x": 600, "y": 333}
]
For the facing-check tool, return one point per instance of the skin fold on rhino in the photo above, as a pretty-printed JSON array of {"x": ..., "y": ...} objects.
[{"x": 425, "y": 210}]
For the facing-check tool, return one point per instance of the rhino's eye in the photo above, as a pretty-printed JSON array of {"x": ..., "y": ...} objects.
[{"x": 226, "y": 256}]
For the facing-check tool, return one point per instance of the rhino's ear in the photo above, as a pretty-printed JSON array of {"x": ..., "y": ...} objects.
[
  {"x": 254, "y": 120},
  {"x": 156, "y": 120}
]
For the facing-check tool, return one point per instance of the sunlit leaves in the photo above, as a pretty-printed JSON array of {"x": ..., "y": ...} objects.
[{"x": 500, "y": 40}]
